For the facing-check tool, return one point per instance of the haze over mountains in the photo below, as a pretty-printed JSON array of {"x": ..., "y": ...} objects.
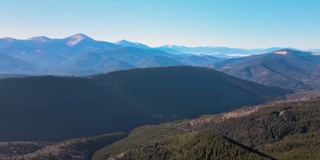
[{"x": 80, "y": 55}]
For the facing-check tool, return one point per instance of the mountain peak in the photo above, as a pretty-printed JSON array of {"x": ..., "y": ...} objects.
[
  {"x": 75, "y": 39},
  {"x": 7, "y": 39},
  {"x": 281, "y": 52},
  {"x": 80, "y": 35},
  {"x": 122, "y": 41},
  {"x": 40, "y": 39},
  {"x": 290, "y": 51},
  {"x": 171, "y": 46},
  {"x": 127, "y": 43}
]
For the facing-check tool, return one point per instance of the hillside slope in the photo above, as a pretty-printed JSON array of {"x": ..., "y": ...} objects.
[
  {"x": 12, "y": 65},
  {"x": 154, "y": 142},
  {"x": 184, "y": 92},
  {"x": 283, "y": 130},
  {"x": 286, "y": 68},
  {"x": 58, "y": 108},
  {"x": 81, "y": 148}
]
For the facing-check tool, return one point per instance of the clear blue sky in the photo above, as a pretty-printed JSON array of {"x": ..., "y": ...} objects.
[{"x": 231, "y": 23}]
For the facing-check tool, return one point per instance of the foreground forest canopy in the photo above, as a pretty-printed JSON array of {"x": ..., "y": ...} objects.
[
  {"x": 280, "y": 130},
  {"x": 283, "y": 130}
]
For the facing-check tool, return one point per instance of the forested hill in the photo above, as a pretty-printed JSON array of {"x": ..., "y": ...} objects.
[{"x": 51, "y": 108}]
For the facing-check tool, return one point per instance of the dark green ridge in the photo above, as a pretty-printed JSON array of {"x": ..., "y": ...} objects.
[{"x": 48, "y": 108}]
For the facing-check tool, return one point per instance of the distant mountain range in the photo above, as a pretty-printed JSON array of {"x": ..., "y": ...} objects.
[
  {"x": 80, "y": 55},
  {"x": 286, "y": 68},
  {"x": 51, "y": 108},
  {"x": 222, "y": 52}
]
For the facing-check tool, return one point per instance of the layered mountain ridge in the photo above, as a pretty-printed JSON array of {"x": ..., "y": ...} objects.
[
  {"x": 57, "y": 56},
  {"x": 80, "y": 55}
]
